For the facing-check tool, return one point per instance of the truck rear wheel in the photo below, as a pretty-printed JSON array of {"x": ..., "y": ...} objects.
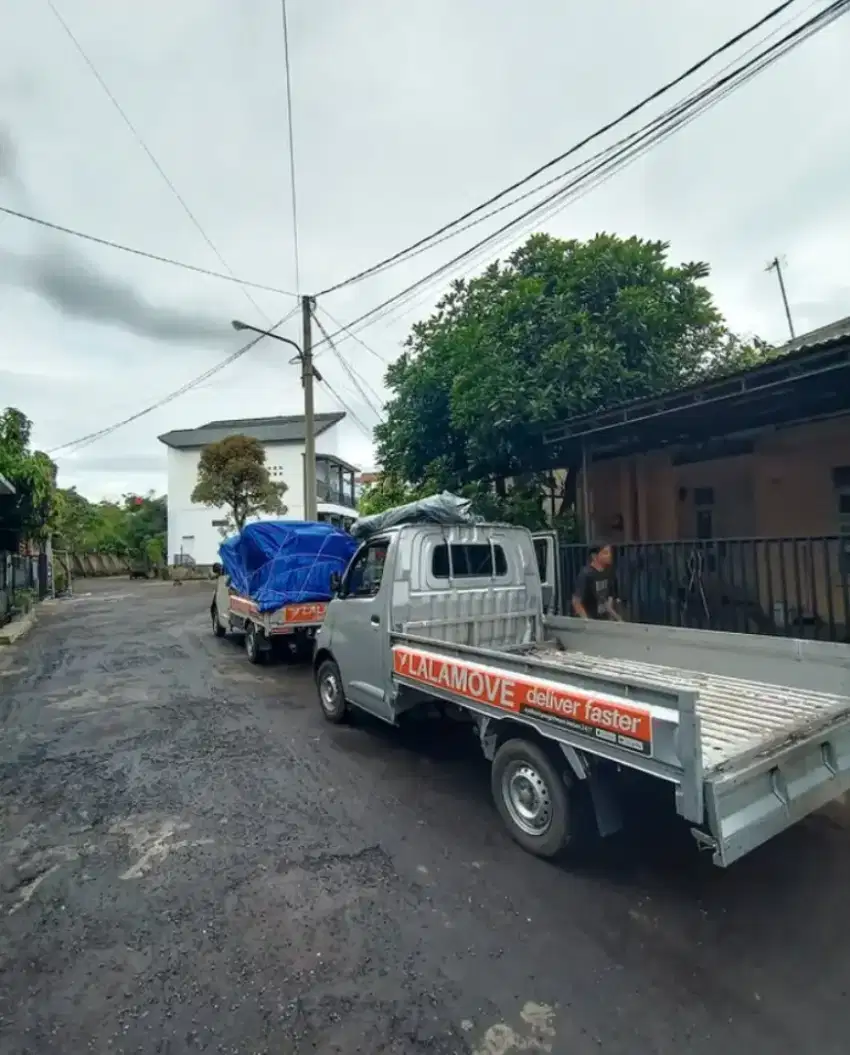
[
  {"x": 532, "y": 798},
  {"x": 252, "y": 644},
  {"x": 331, "y": 699}
]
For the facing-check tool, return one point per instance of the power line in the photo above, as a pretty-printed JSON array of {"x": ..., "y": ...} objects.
[
  {"x": 344, "y": 329},
  {"x": 653, "y": 133},
  {"x": 364, "y": 428},
  {"x": 453, "y": 232},
  {"x": 142, "y": 253},
  {"x": 93, "y": 437},
  {"x": 359, "y": 383},
  {"x": 291, "y": 144},
  {"x": 153, "y": 159},
  {"x": 382, "y": 264}
]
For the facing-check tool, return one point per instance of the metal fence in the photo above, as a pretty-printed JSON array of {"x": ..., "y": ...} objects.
[
  {"x": 18, "y": 575},
  {"x": 799, "y": 587}
]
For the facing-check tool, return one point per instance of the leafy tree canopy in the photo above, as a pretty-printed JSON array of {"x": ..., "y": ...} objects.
[
  {"x": 561, "y": 328},
  {"x": 232, "y": 475},
  {"x": 135, "y": 527},
  {"x": 27, "y": 513}
]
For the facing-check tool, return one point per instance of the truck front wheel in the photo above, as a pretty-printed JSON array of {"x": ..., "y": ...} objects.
[
  {"x": 532, "y": 798},
  {"x": 331, "y": 698},
  {"x": 217, "y": 628}
]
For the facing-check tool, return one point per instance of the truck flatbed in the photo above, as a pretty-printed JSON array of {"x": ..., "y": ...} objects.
[{"x": 740, "y": 719}]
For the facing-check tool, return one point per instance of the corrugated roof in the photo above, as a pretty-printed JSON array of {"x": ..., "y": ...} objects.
[
  {"x": 289, "y": 429},
  {"x": 789, "y": 357},
  {"x": 835, "y": 331}
]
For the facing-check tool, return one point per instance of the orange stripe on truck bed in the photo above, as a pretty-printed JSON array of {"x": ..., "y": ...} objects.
[
  {"x": 602, "y": 717},
  {"x": 313, "y": 612}
]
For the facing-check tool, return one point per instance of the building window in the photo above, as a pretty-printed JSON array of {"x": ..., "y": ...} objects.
[{"x": 476, "y": 560}]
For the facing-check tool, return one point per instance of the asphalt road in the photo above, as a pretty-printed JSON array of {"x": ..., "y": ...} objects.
[{"x": 192, "y": 860}]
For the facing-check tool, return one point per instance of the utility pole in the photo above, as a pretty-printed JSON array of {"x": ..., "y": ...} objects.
[
  {"x": 310, "y": 511},
  {"x": 308, "y": 373},
  {"x": 775, "y": 265}
]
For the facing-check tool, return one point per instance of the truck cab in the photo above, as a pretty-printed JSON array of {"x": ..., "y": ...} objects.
[{"x": 475, "y": 585}]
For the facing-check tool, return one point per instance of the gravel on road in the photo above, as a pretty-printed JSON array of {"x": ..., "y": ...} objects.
[{"x": 192, "y": 860}]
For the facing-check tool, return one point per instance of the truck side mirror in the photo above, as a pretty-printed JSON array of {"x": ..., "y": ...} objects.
[
  {"x": 216, "y": 569},
  {"x": 336, "y": 582}
]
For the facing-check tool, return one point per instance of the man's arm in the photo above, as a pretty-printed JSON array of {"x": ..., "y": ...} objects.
[{"x": 611, "y": 609}]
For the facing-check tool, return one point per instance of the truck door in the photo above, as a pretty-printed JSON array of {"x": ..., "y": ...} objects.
[
  {"x": 361, "y": 640},
  {"x": 548, "y": 564}
]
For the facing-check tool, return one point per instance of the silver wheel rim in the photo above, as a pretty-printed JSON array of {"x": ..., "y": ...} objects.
[
  {"x": 329, "y": 692},
  {"x": 251, "y": 642},
  {"x": 526, "y": 796},
  {"x": 215, "y": 619}
]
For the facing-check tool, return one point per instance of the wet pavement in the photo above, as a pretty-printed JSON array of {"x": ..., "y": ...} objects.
[{"x": 192, "y": 860}]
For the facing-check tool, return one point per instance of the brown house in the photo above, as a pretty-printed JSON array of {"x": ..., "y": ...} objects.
[{"x": 729, "y": 501}]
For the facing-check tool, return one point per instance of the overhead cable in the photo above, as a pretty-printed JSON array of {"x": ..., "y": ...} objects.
[
  {"x": 152, "y": 157},
  {"x": 141, "y": 252},
  {"x": 395, "y": 257},
  {"x": 292, "y": 184},
  {"x": 84, "y": 441},
  {"x": 359, "y": 383},
  {"x": 638, "y": 143}
]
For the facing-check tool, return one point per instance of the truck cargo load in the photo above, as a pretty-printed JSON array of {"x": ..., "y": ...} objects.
[{"x": 275, "y": 563}]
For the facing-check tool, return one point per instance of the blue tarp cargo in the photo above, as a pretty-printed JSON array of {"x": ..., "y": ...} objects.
[{"x": 280, "y": 562}]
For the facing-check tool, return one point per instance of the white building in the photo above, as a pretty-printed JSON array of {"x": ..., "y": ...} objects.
[{"x": 194, "y": 530}]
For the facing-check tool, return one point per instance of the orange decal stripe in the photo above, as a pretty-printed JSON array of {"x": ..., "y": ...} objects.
[
  {"x": 313, "y": 612},
  {"x": 594, "y": 714}
]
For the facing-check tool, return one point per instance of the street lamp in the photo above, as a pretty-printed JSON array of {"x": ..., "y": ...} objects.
[{"x": 308, "y": 372}]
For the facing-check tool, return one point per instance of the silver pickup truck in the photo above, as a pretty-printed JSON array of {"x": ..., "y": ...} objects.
[{"x": 751, "y": 733}]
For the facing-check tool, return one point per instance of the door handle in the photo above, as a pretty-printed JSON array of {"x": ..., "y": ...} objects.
[{"x": 375, "y": 620}]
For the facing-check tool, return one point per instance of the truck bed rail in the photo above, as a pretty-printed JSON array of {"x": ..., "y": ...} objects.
[{"x": 632, "y": 721}]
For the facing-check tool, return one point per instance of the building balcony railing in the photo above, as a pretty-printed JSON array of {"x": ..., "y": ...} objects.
[
  {"x": 326, "y": 492},
  {"x": 799, "y": 587}
]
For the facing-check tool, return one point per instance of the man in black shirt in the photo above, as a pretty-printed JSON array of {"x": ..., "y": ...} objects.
[{"x": 593, "y": 596}]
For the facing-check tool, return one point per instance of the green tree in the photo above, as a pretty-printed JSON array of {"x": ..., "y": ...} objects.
[
  {"x": 26, "y": 514},
  {"x": 146, "y": 526},
  {"x": 385, "y": 493},
  {"x": 135, "y": 528},
  {"x": 232, "y": 475},
  {"x": 74, "y": 521},
  {"x": 561, "y": 328}
]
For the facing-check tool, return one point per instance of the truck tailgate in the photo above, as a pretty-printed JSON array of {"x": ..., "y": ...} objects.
[{"x": 771, "y": 754}]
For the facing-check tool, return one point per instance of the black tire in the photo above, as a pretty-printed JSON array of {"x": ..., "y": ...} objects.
[
  {"x": 532, "y": 798},
  {"x": 217, "y": 628},
  {"x": 331, "y": 699},
  {"x": 252, "y": 645}
]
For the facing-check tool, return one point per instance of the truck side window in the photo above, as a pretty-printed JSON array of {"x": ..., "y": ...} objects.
[
  {"x": 469, "y": 560},
  {"x": 365, "y": 574}
]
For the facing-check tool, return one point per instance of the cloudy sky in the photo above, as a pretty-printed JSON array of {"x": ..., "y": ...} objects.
[{"x": 405, "y": 115}]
